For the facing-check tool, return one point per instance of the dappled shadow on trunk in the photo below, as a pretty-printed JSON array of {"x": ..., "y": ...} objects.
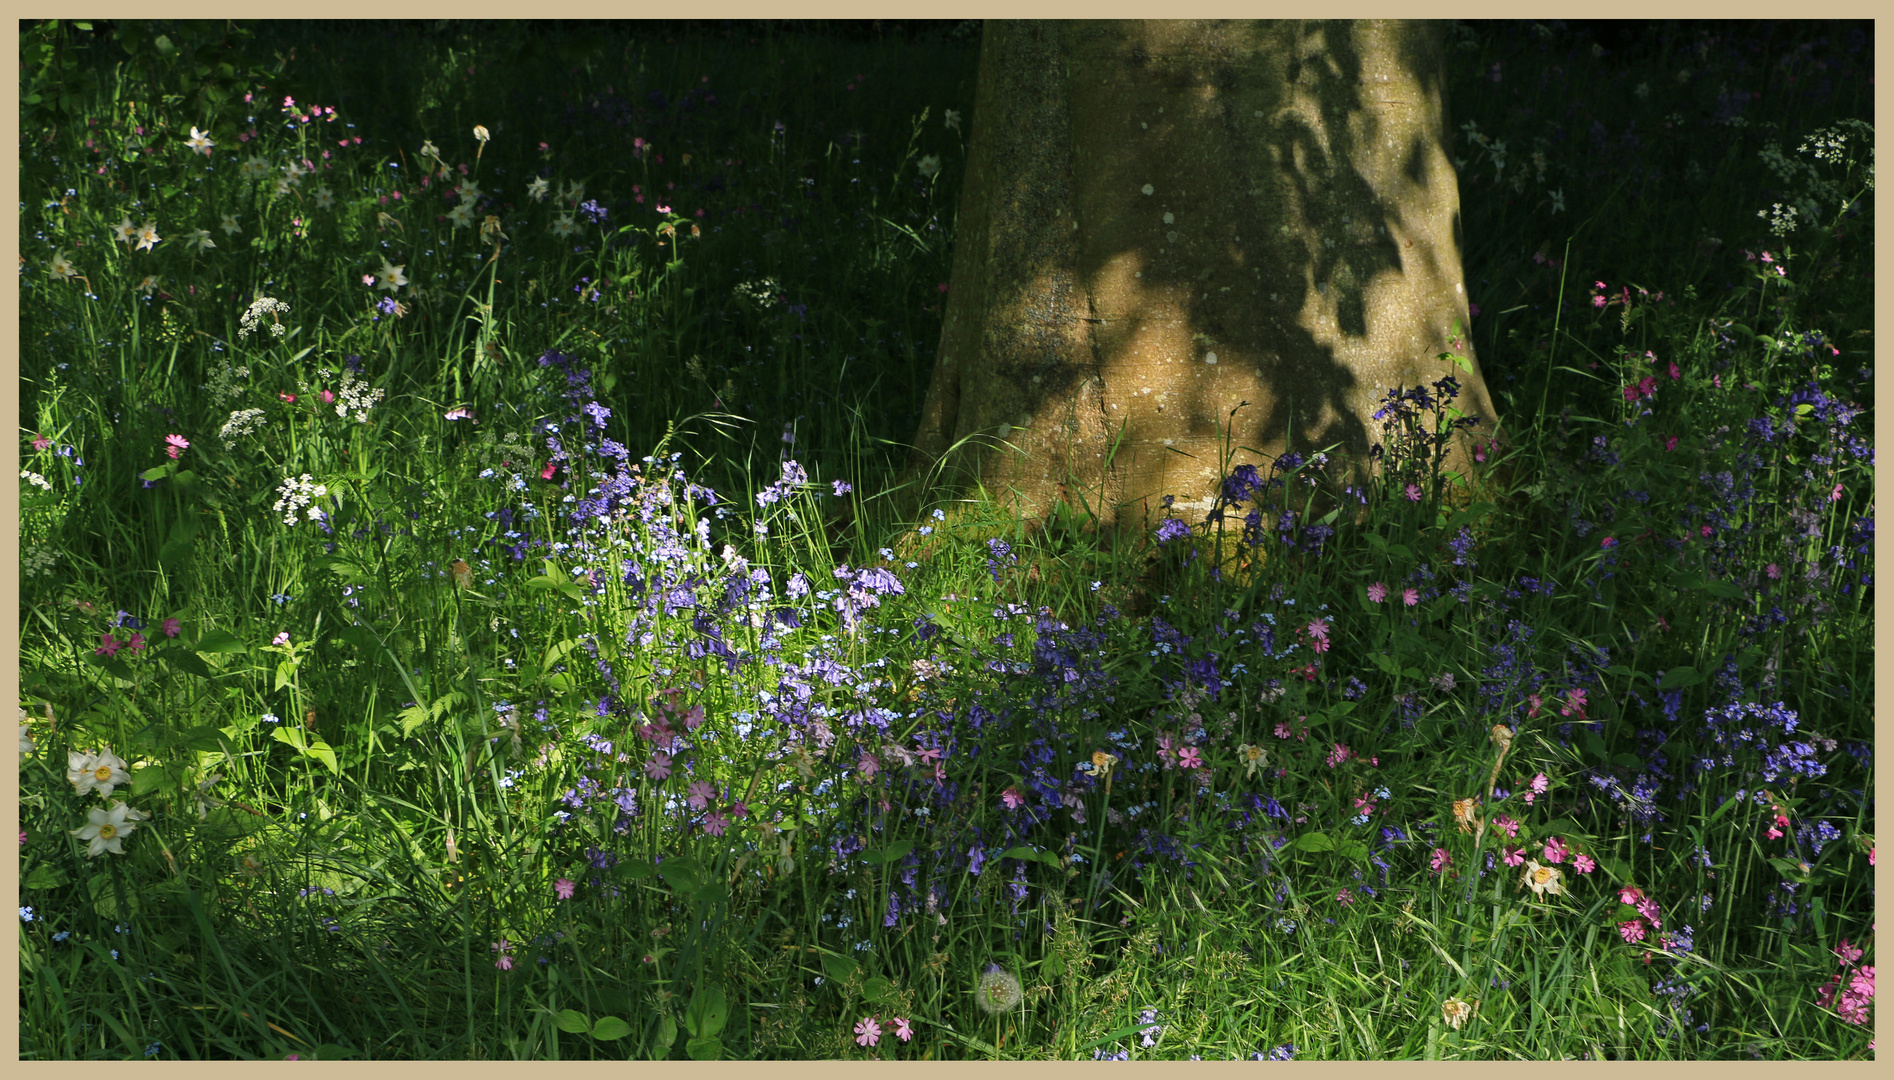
[{"x": 1183, "y": 241}]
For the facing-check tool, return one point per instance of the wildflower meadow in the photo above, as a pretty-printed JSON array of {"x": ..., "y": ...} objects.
[{"x": 474, "y": 602}]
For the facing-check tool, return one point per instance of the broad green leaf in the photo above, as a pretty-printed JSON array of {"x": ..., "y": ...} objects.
[
  {"x": 840, "y": 968},
  {"x": 573, "y": 1021},
  {"x": 667, "y": 1034},
  {"x": 220, "y": 641},
  {"x": 1314, "y": 841},
  {"x": 187, "y": 662},
  {"x": 873, "y": 989},
  {"x": 44, "y": 877},
  {"x": 704, "y": 1048},
  {"x": 681, "y": 874},
  {"x": 902, "y": 847},
  {"x": 610, "y": 1029},
  {"x": 708, "y": 1009},
  {"x": 1679, "y": 677}
]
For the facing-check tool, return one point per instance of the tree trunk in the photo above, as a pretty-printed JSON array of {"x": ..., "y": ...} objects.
[{"x": 1186, "y": 245}]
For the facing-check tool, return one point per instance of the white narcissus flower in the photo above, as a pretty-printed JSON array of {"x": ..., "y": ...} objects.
[
  {"x": 125, "y": 230},
  {"x": 255, "y": 166},
  {"x": 102, "y": 771},
  {"x": 572, "y": 193},
  {"x": 148, "y": 237},
  {"x": 230, "y": 225},
  {"x": 929, "y": 165},
  {"x": 1455, "y": 1012},
  {"x": 200, "y": 239},
  {"x": 461, "y": 215},
  {"x": 200, "y": 141},
  {"x": 1252, "y": 757},
  {"x": 150, "y": 284},
  {"x": 26, "y": 739},
  {"x": 953, "y": 119},
  {"x": 106, "y": 829},
  {"x": 391, "y": 276},
  {"x": 325, "y": 199},
  {"x": 61, "y": 267},
  {"x": 1542, "y": 879},
  {"x": 565, "y": 226},
  {"x": 468, "y": 191},
  {"x": 537, "y": 189}
]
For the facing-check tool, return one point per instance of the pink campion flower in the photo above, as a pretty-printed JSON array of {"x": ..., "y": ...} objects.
[
  {"x": 1647, "y": 907},
  {"x": 1555, "y": 850},
  {"x": 1011, "y": 799},
  {"x": 564, "y": 888},
  {"x": 1835, "y": 495},
  {"x": 137, "y": 642},
  {"x": 716, "y": 823},
  {"x": 1514, "y": 855},
  {"x": 1632, "y": 931},
  {"x": 1540, "y": 784},
  {"x": 1774, "y": 572},
  {"x": 108, "y": 646},
  {"x": 1670, "y": 444},
  {"x": 170, "y": 627},
  {"x": 659, "y": 767},
  {"x": 701, "y": 792},
  {"x": 1318, "y": 629},
  {"x": 503, "y": 947},
  {"x": 1413, "y": 493},
  {"x": 1574, "y": 704},
  {"x": 1630, "y": 894},
  {"x": 1190, "y": 758},
  {"x": 1848, "y": 953},
  {"x": 280, "y": 639},
  {"x": 1282, "y": 729},
  {"x": 868, "y": 766},
  {"x": 1338, "y": 755},
  {"x": 738, "y": 810},
  {"x": 1583, "y": 864},
  {"x": 902, "y": 1030},
  {"x": 1507, "y": 825},
  {"x": 693, "y": 717},
  {"x": 1377, "y": 592},
  {"x": 1344, "y": 898},
  {"x": 175, "y": 445},
  {"x": 1410, "y": 597},
  {"x": 1533, "y": 701},
  {"x": 1479, "y": 452},
  {"x": 41, "y": 442},
  {"x": 1441, "y": 860},
  {"x": 868, "y": 1032}
]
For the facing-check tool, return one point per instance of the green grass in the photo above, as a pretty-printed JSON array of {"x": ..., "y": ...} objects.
[{"x": 835, "y": 754}]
